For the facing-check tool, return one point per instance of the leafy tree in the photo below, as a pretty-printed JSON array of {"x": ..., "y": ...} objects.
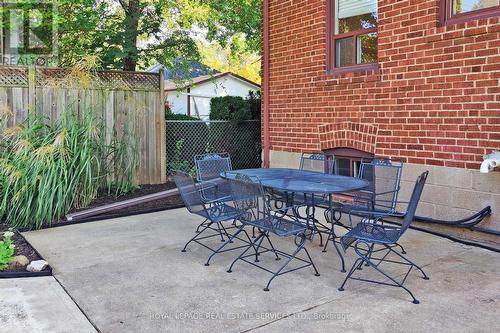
[
  {"x": 127, "y": 34},
  {"x": 240, "y": 61},
  {"x": 228, "y": 18},
  {"x": 123, "y": 34}
]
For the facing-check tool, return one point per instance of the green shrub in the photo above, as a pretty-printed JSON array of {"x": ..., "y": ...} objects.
[
  {"x": 194, "y": 136},
  {"x": 178, "y": 163},
  {"x": 235, "y": 108},
  {"x": 48, "y": 169},
  {"x": 6, "y": 250},
  {"x": 254, "y": 102},
  {"x": 177, "y": 116},
  {"x": 227, "y": 107}
]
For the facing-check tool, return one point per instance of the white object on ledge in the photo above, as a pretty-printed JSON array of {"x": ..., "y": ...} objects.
[{"x": 490, "y": 162}]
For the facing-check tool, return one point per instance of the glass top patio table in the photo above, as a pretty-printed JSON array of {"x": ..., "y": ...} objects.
[{"x": 293, "y": 180}]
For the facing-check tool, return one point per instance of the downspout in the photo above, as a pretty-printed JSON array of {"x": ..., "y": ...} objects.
[{"x": 265, "y": 82}]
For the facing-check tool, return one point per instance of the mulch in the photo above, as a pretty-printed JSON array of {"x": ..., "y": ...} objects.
[{"x": 162, "y": 204}]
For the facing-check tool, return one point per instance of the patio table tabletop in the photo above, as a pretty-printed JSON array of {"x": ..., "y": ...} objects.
[{"x": 301, "y": 181}]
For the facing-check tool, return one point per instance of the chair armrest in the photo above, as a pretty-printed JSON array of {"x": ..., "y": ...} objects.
[
  {"x": 209, "y": 188},
  {"x": 367, "y": 212},
  {"x": 376, "y": 216},
  {"x": 207, "y": 184},
  {"x": 221, "y": 199},
  {"x": 386, "y": 192}
]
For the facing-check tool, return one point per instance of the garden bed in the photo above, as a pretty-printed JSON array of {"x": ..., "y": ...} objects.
[
  {"x": 143, "y": 208},
  {"x": 22, "y": 248},
  {"x": 161, "y": 204}
]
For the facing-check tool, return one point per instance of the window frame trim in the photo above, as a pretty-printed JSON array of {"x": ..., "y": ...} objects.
[
  {"x": 331, "y": 53},
  {"x": 447, "y": 18},
  {"x": 351, "y": 154}
]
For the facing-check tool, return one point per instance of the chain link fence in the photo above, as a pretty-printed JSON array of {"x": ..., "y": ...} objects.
[{"x": 187, "y": 138}]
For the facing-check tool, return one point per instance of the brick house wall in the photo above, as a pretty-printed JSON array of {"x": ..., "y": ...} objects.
[{"x": 434, "y": 101}]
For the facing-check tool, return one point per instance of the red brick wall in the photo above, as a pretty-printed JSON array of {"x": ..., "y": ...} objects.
[{"x": 435, "y": 99}]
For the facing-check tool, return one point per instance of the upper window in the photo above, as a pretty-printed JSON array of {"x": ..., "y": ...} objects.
[
  {"x": 459, "y": 11},
  {"x": 354, "y": 40}
]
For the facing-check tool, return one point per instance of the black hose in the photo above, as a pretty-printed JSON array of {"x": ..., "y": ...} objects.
[
  {"x": 455, "y": 239},
  {"x": 468, "y": 222}
]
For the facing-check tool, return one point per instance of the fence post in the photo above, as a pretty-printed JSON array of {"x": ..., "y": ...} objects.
[
  {"x": 163, "y": 128},
  {"x": 31, "y": 89}
]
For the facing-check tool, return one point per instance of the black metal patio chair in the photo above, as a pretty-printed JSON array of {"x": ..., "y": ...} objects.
[
  {"x": 208, "y": 170},
  {"x": 381, "y": 197},
  {"x": 213, "y": 187},
  {"x": 372, "y": 232},
  {"x": 215, "y": 212},
  {"x": 248, "y": 195}
]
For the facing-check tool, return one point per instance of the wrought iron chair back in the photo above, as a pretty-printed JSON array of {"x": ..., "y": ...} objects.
[
  {"x": 189, "y": 192},
  {"x": 249, "y": 196},
  {"x": 413, "y": 203},
  {"x": 385, "y": 177},
  {"x": 317, "y": 162},
  {"x": 210, "y": 166}
]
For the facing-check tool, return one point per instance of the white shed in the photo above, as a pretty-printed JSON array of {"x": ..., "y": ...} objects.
[{"x": 194, "y": 99}]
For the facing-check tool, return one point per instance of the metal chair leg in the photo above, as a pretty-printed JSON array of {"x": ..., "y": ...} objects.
[
  {"x": 402, "y": 248},
  {"x": 225, "y": 231},
  {"x": 312, "y": 262},
  {"x": 425, "y": 276},
  {"x": 200, "y": 225},
  {"x": 330, "y": 238},
  {"x": 229, "y": 240},
  {"x": 196, "y": 236},
  {"x": 230, "y": 270},
  {"x": 259, "y": 243},
  {"x": 415, "y": 301},
  {"x": 220, "y": 233},
  {"x": 354, "y": 267},
  {"x": 272, "y": 247},
  {"x": 367, "y": 259},
  {"x": 370, "y": 252},
  {"x": 275, "y": 274}
]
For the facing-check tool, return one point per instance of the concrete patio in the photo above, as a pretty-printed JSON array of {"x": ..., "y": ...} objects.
[{"x": 128, "y": 275}]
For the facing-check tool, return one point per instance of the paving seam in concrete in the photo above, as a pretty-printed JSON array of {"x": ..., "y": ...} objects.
[{"x": 77, "y": 305}]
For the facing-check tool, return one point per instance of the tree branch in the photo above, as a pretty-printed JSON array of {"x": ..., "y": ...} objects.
[{"x": 124, "y": 6}]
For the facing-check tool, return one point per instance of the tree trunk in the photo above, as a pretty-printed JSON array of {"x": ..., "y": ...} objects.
[{"x": 131, "y": 25}]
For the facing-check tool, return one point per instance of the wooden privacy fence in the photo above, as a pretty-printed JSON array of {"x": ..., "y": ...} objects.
[{"x": 123, "y": 101}]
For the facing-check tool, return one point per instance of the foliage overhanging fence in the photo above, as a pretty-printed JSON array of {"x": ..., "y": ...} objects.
[
  {"x": 187, "y": 138},
  {"x": 124, "y": 102}
]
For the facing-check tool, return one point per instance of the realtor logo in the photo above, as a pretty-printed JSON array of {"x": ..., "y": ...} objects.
[{"x": 29, "y": 35}]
